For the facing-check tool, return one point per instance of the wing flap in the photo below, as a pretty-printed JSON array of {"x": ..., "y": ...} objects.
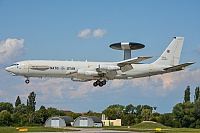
[{"x": 179, "y": 67}]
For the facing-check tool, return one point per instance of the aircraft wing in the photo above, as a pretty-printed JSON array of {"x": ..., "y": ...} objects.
[
  {"x": 126, "y": 64},
  {"x": 179, "y": 67},
  {"x": 133, "y": 60},
  {"x": 88, "y": 74}
]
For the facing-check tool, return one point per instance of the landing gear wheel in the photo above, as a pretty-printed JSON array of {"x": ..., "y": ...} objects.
[
  {"x": 95, "y": 84},
  {"x": 98, "y": 82},
  {"x": 104, "y": 82},
  {"x": 27, "y": 81},
  {"x": 101, "y": 84}
]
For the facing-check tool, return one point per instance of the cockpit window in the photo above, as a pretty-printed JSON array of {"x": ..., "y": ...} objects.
[{"x": 15, "y": 64}]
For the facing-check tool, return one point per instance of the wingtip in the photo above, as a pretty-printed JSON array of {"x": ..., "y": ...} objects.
[{"x": 191, "y": 62}]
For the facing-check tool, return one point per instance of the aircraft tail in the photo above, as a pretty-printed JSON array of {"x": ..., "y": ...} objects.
[{"x": 171, "y": 55}]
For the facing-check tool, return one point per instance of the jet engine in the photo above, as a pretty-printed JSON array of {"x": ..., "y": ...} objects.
[
  {"x": 108, "y": 68},
  {"x": 87, "y": 73},
  {"x": 79, "y": 80}
]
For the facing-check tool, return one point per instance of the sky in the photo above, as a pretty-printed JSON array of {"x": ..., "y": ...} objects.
[{"x": 83, "y": 30}]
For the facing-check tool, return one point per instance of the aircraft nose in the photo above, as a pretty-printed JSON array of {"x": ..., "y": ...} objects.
[{"x": 8, "y": 69}]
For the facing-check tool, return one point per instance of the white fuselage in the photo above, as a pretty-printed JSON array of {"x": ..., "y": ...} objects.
[{"x": 66, "y": 69}]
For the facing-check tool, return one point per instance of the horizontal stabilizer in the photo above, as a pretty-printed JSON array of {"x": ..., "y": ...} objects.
[
  {"x": 179, "y": 67},
  {"x": 133, "y": 60}
]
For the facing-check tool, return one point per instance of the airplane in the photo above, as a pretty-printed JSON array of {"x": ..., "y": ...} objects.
[{"x": 101, "y": 72}]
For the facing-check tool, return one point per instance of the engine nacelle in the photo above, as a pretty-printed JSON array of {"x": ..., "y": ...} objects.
[
  {"x": 109, "y": 68},
  {"x": 87, "y": 73},
  {"x": 79, "y": 80}
]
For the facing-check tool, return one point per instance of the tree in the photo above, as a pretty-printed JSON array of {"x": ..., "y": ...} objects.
[
  {"x": 114, "y": 111},
  {"x": 19, "y": 115},
  {"x": 183, "y": 114},
  {"x": 146, "y": 113},
  {"x": 178, "y": 114},
  {"x": 187, "y": 94},
  {"x": 139, "y": 119},
  {"x": 5, "y": 118},
  {"x": 6, "y": 106},
  {"x": 197, "y": 94},
  {"x": 138, "y": 109},
  {"x": 31, "y": 102},
  {"x": 129, "y": 119},
  {"x": 74, "y": 115},
  {"x": 196, "y": 113},
  {"x": 31, "y": 107},
  {"x": 147, "y": 107},
  {"x": 54, "y": 111},
  {"x": 18, "y": 101},
  {"x": 129, "y": 109},
  {"x": 91, "y": 113},
  {"x": 188, "y": 120},
  {"x": 154, "y": 116},
  {"x": 21, "y": 108},
  {"x": 41, "y": 115},
  {"x": 187, "y": 114},
  {"x": 166, "y": 119}
]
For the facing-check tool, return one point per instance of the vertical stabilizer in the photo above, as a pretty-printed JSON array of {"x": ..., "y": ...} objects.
[{"x": 171, "y": 55}]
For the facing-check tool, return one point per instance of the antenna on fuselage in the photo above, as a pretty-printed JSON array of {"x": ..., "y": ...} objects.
[{"x": 127, "y": 47}]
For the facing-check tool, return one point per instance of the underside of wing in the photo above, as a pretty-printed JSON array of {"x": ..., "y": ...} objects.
[{"x": 179, "y": 67}]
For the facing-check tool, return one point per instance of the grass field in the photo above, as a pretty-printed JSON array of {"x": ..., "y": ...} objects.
[
  {"x": 33, "y": 129},
  {"x": 151, "y": 127},
  {"x": 142, "y": 127}
]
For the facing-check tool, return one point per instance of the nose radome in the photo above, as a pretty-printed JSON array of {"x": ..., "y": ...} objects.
[{"x": 8, "y": 69}]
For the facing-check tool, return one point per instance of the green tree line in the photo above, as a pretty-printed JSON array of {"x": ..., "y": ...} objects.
[
  {"x": 185, "y": 114},
  {"x": 22, "y": 114}
]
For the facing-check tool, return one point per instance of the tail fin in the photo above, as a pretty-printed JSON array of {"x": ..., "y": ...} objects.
[{"x": 171, "y": 55}]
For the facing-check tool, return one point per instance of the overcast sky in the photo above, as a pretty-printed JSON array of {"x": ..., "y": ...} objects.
[{"x": 83, "y": 30}]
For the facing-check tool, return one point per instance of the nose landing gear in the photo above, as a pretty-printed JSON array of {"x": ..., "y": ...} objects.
[
  {"x": 27, "y": 81},
  {"x": 99, "y": 83}
]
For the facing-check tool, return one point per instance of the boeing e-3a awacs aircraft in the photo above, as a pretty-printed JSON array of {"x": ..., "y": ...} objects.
[{"x": 103, "y": 71}]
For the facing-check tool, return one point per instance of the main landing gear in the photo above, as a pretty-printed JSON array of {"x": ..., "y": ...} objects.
[
  {"x": 27, "y": 81},
  {"x": 99, "y": 83}
]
